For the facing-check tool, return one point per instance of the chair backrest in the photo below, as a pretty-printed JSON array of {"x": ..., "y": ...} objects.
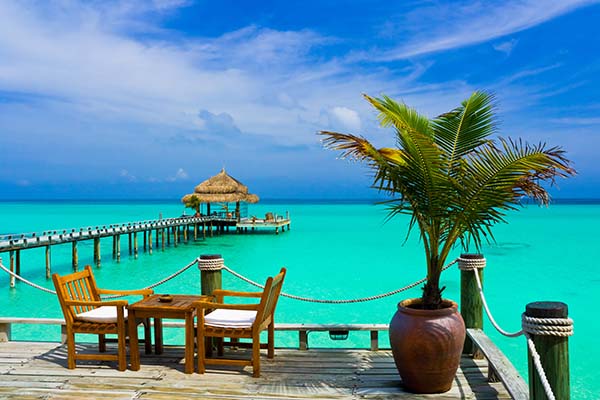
[
  {"x": 76, "y": 286},
  {"x": 269, "y": 298}
]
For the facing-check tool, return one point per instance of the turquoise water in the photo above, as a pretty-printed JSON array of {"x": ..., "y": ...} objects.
[{"x": 342, "y": 250}]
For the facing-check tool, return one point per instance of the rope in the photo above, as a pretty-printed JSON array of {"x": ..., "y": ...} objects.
[
  {"x": 43, "y": 289},
  {"x": 152, "y": 286},
  {"x": 487, "y": 309},
  {"x": 211, "y": 264},
  {"x": 344, "y": 301},
  {"x": 539, "y": 368}
]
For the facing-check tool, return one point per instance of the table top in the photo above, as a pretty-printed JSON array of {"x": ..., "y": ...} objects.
[{"x": 180, "y": 302}]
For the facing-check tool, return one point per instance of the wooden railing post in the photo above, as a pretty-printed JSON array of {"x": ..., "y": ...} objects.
[
  {"x": 553, "y": 351},
  {"x": 471, "y": 305},
  {"x": 210, "y": 266}
]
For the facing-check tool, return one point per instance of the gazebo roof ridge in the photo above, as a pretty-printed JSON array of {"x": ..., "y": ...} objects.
[{"x": 221, "y": 188}]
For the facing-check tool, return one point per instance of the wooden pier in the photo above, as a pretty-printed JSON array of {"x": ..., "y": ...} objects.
[
  {"x": 38, "y": 370},
  {"x": 154, "y": 235}
]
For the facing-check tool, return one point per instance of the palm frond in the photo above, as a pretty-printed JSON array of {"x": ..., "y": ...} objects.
[{"x": 464, "y": 129}]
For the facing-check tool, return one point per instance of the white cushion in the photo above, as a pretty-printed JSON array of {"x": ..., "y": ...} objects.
[
  {"x": 103, "y": 314},
  {"x": 224, "y": 318}
]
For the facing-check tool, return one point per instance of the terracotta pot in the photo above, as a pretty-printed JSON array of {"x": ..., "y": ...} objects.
[{"x": 427, "y": 345}]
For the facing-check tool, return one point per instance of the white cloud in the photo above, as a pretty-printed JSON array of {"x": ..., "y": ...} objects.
[
  {"x": 458, "y": 25},
  {"x": 347, "y": 117},
  {"x": 506, "y": 47},
  {"x": 180, "y": 175},
  {"x": 125, "y": 174}
]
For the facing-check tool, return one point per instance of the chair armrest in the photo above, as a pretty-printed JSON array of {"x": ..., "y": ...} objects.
[
  {"x": 203, "y": 305},
  {"x": 118, "y": 303},
  {"x": 220, "y": 293},
  {"x": 144, "y": 292}
]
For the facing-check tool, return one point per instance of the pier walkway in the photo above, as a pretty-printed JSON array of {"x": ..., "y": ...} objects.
[{"x": 38, "y": 370}]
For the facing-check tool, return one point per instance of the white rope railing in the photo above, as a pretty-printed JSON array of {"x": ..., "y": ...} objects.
[
  {"x": 43, "y": 289},
  {"x": 336, "y": 301},
  {"x": 530, "y": 325}
]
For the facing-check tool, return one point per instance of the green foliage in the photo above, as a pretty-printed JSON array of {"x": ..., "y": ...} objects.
[
  {"x": 450, "y": 176},
  {"x": 193, "y": 202}
]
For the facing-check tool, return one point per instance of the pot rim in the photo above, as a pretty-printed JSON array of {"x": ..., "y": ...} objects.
[{"x": 450, "y": 307}]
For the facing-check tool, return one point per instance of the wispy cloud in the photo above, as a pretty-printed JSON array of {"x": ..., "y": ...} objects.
[
  {"x": 506, "y": 47},
  {"x": 453, "y": 26}
]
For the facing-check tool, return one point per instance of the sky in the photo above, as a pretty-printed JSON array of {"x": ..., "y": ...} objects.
[{"x": 145, "y": 99}]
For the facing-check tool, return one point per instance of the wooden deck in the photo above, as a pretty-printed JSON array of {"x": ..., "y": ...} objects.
[{"x": 38, "y": 370}]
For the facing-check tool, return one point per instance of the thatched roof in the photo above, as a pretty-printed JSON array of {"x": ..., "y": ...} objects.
[{"x": 221, "y": 188}]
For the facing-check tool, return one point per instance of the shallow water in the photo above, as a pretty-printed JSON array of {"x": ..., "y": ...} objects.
[{"x": 335, "y": 251}]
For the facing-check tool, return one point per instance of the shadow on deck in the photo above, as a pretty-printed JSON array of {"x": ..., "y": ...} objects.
[{"x": 38, "y": 370}]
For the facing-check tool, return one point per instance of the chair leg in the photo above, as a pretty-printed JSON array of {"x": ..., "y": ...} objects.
[
  {"x": 220, "y": 350},
  {"x": 102, "y": 343},
  {"x": 122, "y": 351},
  {"x": 70, "y": 349},
  {"x": 200, "y": 341},
  {"x": 256, "y": 355},
  {"x": 271, "y": 341}
]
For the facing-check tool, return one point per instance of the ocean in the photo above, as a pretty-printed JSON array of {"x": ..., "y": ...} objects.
[{"x": 334, "y": 250}]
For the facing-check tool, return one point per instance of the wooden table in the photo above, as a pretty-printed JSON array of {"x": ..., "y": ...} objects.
[{"x": 150, "y": 307}]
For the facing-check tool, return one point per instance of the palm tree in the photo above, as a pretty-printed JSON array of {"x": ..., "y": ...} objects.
[
  {"x": 193, "y": 202},
  {"x": 454, "y": 180}
]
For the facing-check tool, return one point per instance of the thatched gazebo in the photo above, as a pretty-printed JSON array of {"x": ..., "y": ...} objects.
[{"x": 221, "y": 188}]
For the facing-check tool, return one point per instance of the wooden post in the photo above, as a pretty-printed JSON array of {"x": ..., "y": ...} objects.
[
  {"x": 150, "y": 241},
  {"x": 203, "y": 230},
  {"x": 118, "y": 247},
  {"x": 195, "y": 231},
  {"x": 156, "y": 232},
  {"x": 135, "y": 245},
  {"x": 145, "y": 239},
  {"x": 129, "y": 240},
  {"x": 97, "y": 255},
  {"x": 12, "y": 268},
  {"x": 75, "y": 256},
  {"x": 114, "y": 247},
  {"x": 175, "y": 236},
  {"x": 48, "y": 269},
  {"x": 553, "y": 351},
  {"x": 162, "y": 236},
  {"x": 18, "y": 263},
  {"x": 168, "y": 229},
  {"x": 210, "y": 279},
  {"x": 185, "y": 233},
  {"x": 471, "y": 305}
]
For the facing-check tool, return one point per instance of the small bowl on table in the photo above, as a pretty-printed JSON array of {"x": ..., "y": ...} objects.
[{"x": 165, "y": 298}]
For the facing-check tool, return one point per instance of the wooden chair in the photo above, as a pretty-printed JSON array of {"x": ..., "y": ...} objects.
[
  {"x": 86, "y": 312},
  {"x": 237, "y": 321}
]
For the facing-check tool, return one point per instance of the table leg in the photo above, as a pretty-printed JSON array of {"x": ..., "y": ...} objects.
[
  {"x": 134, "y": 352},
  {"x": 189, "y": 342},
  {"x": 147, "y": 336},
  {"x": 158, "y": 336}
]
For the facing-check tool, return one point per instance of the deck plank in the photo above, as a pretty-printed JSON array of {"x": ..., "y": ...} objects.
[{"x": 38, "y": 370}]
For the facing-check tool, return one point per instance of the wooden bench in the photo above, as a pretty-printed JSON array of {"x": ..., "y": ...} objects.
[{"x": 500, "y": 368}]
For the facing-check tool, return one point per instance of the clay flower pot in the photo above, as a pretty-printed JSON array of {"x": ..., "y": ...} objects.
[{"x": 427, "y": 345}]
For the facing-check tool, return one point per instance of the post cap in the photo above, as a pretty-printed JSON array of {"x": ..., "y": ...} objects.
[
  {"x": 210, "y": 256},
  {"x": 547, "y": 309}
]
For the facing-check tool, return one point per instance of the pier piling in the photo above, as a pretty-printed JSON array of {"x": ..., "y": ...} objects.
[
  {"x": 150, "y": 241},
  {"x": 75, "y": 256},
  {"x": 97, "y": 251},
  {"x": 12, "y": 267},
  {"x": 471, "y": 306},
  {"x": 553, "y": 351},
  {"x": 48, "y": 269}
]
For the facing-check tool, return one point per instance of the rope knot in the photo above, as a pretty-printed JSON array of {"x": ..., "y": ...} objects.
[
  {"x": 468, "y": 264},
  {"x": 547, "y": 326},
  {"x": 210, "y": 264}
]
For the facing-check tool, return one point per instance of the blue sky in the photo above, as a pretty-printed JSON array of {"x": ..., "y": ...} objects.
[{"x": 145, "y": 99}]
